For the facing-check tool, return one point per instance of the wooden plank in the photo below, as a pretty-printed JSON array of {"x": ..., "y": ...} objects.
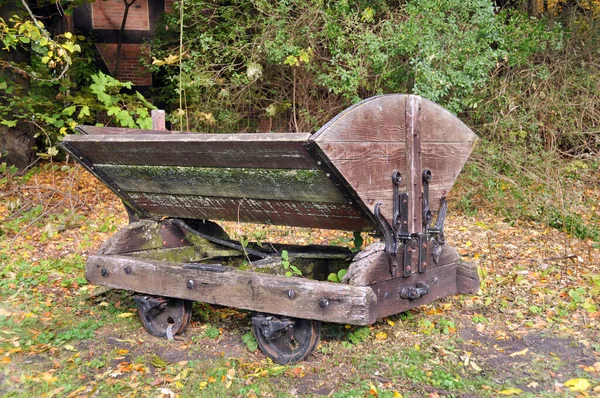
[
  {"x": 144, "y": 235},
  {"x": 284, "y": 184},
  {"x": 158, "y": 119},
  {"x": 441, "y": 282},
  {"x": 279, "y": 212},
  {"x": 371, "y": 266},
  {"x": 281, "y": 151},
  {"x": 439, "y": 125},
  {"x": 413, "y": 169},
  {"x": 322, "y": 301},
  {"x": 467, "y": 278},
  {"x": 101, "y": 130},
  {"x": 377, "y": 119}
]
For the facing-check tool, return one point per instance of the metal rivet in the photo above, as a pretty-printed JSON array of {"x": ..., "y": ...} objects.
[
  {"x": 324, "y": 303},
  {"x": 328, "y": 175},
  {"x": 319, "y": 163},
  {"x": 408, "y": 268},
  {"x": 424, "y": 265},
  {"x": 190, "y": 284},
  {"x": 104, "y": 272},
  {"x": 350, "y": 202},
  {"x": 435, "y": 280},
  {"x": 291, "y": 294},
  {"x": 386, "y": 295},
  {"x": 128, "y": 270}
]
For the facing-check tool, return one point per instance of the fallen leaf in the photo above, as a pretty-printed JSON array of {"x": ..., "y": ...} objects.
[
  {"x": 519, "y": 353},
  {"x": 511, "y": 391},
  {"x": 381, "y": 336},
  {"x": 125, "y": 315},
  {"x": 578, "y": 385}
]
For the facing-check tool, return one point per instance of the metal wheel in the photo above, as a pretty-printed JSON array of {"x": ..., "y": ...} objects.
[
  {"x": 286, "y": 340},
  {"x": 164, "y": 316}
]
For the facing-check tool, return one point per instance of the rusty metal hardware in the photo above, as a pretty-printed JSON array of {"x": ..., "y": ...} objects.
[
  {"x": 151, "y": 305},
  {"x": 416, "y": 292},
  {"x": 396, "y": 234},
  {"x": 272, "y": 327}
]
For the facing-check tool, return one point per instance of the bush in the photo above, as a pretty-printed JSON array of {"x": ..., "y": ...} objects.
[{"x": 294, "y": 65}]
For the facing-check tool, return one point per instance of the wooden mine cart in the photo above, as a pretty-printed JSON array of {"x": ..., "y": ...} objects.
[{"x": 384, "y": 165}]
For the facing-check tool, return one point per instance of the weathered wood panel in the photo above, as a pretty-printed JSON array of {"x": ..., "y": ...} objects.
[
  {"x": 441, "y": 282},
  {"x": 273, "y": 294},
  {"x": 376, "y": 119},
  {"x": 144, "y": 235},
  {"x": 439, "y": 125},
  {"x": 278, "y": 212},
  {"x": 383, "y": 124},
  {"x": 280, "y": 151},
  {"x": 371, "y": 266},
  {"x": 467, "y": 278},
  {"x": 285, "y": 184}
]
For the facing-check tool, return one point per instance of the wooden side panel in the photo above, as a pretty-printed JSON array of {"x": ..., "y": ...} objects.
[
  {"x": 441, "y": 282},
  {"x": 367, "y": 142},
  {"x": 377, "y": 119},
  {"x": 282, "y": 184},
  {"x": 323, "y": 301},
  {"x": 371, "y": 266},
  {"x": 281, "y": 151},
  {"x": 278, "y": 212}
]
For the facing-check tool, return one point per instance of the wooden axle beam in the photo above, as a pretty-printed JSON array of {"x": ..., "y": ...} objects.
[{"x": 215, "y": 284}]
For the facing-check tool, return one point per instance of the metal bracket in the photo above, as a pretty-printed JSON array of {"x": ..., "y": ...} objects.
[
  {"x": 413, "y": 293},
  {"x": 272, "y": 327},
  {"x": 396, "y": 234}
]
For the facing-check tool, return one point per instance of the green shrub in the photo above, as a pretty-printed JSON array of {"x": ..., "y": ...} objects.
[{"x": 294, "y": 65}]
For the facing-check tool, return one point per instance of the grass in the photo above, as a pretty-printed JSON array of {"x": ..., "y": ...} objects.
[{"x": 58, "y": 338}]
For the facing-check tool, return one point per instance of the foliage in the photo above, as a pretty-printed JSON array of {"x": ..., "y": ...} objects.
[
  {"x": 295, "y": 64},
  {"x": 55, "y": 86}
]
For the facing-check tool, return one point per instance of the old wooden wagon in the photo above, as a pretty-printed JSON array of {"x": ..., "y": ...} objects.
[{"x": 384, "y": 165}]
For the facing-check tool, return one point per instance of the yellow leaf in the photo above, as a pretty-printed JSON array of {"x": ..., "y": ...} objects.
[
  {"x": 381, "y": 336},
  {"x": 122, "y": 352},
  {"x": 511, "y": 391},
  {"x": 390, "y": 322},
  {"x": 397, "y": 394},
  {"x": 158, "y": 62},
  {"x": 578, "y": 385},
  {"x": 203, "y": 385},
  {"x": 469, "y": 243},
  {"x": 519, "y": 353},
  {"x": 373, "y": 390},
  {"x": 69, "y": 347},
  {"x": 125, "y": 315}
]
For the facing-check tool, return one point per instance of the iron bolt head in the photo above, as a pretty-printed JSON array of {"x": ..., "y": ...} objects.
[
  {"x": 291, "y": 294},
  {"x": 435, "y": 280},
  {"x": 324, "y": 303},
  {"x": 104, "y": 272},
  {"x": 128, "y": 270},
  {"x": 191, "y": 284}
]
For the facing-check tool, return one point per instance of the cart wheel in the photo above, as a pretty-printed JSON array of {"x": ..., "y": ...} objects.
[
  {"x": 285, "y": 340},
  {"x": 164, "y": 316}
]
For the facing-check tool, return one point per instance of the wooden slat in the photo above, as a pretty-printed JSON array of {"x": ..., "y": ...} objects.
[
  {"x": 240, "y": 289},
  {"x": 282, "y": 151},
  {"x": 377, "y": 119},
  {"x": 284, "y": 184},
  {"x": 279, "y": 212},
  {"x": 439, "y": 125},
  {"x": 441, "y": 282},
  {"x": 413, "y": 169}
]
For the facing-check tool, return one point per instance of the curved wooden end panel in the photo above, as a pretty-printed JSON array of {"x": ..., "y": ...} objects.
[{"x": 367, "y": 142}]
